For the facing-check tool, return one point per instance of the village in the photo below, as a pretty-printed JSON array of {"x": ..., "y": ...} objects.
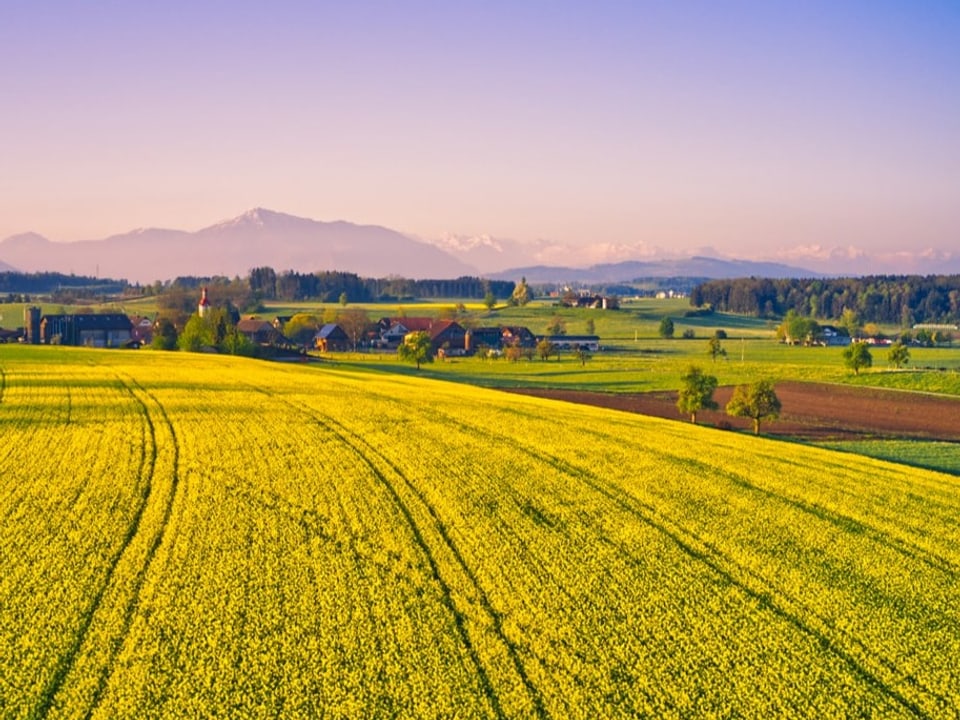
[{"x": 448, "y": 338}]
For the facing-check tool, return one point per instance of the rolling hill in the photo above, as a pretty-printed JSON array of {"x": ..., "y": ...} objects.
[{"x": 362, "y": 545}]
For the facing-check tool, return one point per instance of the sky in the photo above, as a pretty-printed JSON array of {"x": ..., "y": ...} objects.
[{"x": 746, "y": 129}]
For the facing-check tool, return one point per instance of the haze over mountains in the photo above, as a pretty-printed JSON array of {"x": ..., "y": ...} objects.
[
  {"x": 256, "y": 238},
  {"x": 286, "y": 242}
]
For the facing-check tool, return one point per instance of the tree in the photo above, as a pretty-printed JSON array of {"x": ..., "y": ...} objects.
[
  {"x": 757, "y": 401},
  {"x": 415, "y": 348},
  {"x": 220, "y": 321},
  {"x": 850, "y": 322},
  {"x": 856, "y": 356},
  {"x": 513, "y": 353},
  {"x": 354, "y": 322},
  {"x": 263, "y": 282},
  {"x": 591, "y": 328},
  {"x": 696, "y": 393},
  {"x": 796, "y": 329},
  {"x": 197, "y": 334},
  {"x": 343, "y": 298},
  {"x": 715, "y": 349},
  {"x": 666, "y": 328},
  {"x": 165, "y": 338},
  {"x": 545, "y": 349},
  {"x": 236, "y": 343},
  {"x": 301, "y": 328},
  {"x": 582, "y": 354},
  {"x": 521, "y": 293},
  {"x": 899, "y": 355},
  {"x": 489, "y": 300},
  {"x": 557, "y": 326}
]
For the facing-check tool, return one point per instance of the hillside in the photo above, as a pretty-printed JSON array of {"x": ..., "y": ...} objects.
[{"x": 202, "y": 535}]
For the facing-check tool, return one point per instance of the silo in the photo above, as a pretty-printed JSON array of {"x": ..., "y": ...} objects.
[{"x": 31, "y": 324}]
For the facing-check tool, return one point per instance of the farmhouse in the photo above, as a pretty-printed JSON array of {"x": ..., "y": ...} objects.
[
  {"x": 91, "y": 330},
  {"x": 597, "y": 302},
  {"x": 498, "y": 337},
  {"x": 518, "y": 335},
  {"x": 833, "y": 337},
  {"x": 331, "y": 338},
  {"x": 482, "y": 337},
  {"x": 260, "y": 332},
  {"x": 449, "y": 335},
  {"x": 394, "y": 330},
  {"x": 446, "y": 334},
  {"x": 141, "y": 329}
]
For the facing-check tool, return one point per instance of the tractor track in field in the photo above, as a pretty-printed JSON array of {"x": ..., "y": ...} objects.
[
  {"x": 357, "y": 444},
  {"x": 886, "y": 678},
  {"x": 68, "y": 661},
  {"x": 364, "y": 450},
  {"x": 810, "y": 412},
  {"x": 133, "y": 387}
]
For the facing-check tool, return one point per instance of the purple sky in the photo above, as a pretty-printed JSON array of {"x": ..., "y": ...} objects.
[{"x": 758, "y": 129}]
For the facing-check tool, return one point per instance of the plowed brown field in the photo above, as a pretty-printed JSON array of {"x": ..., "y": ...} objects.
[{"x": 810, "y": 411}]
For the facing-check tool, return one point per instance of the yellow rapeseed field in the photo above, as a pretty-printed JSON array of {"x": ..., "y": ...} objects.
[{"x": 194, "y": 536}]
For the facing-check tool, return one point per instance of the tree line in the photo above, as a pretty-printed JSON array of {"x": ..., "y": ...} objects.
[
  {"x": 45, "y": 283},
  {"x": 262, "y": 283},
  {"x": 330, "y": 286},
  {"x": 889, "y": 299}
]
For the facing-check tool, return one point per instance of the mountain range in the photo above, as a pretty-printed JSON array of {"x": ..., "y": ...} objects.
[
  {"x": 692, "y": 267},
  {"x": 263, "y": 237},
  {"x": 256, "y": 238}
]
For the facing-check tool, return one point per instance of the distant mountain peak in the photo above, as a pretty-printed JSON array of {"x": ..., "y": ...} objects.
[
  {"x": 255, "y": 217},
  {"x": 260, "y": 215},
  {"x": 256, "y": 238},
  {"x": 260, "y": 218}
]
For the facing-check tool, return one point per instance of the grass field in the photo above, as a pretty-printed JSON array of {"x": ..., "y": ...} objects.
[
  {"x": 942, "y": 456},
  {"x": 186, "y": 535},
  {"x": 657, "y": 364}
]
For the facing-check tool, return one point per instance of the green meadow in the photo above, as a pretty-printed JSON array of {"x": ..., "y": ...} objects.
[{"x": 933, "y": 455}]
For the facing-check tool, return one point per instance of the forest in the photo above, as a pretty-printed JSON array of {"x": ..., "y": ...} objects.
[
  {"x": 890, "y": 299},
  {"x": 80, "y": 286},
  {"x": 327, "y": 286}
]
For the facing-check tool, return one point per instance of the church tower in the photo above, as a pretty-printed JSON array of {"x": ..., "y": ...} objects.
[{"x": 204, "y": 305}]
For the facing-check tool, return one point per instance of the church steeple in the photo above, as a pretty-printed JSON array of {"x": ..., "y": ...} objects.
[{"x": 204, "y": 303}]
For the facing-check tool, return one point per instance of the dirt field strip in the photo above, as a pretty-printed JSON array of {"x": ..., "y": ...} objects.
[{"x": 811, "y": 411}]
